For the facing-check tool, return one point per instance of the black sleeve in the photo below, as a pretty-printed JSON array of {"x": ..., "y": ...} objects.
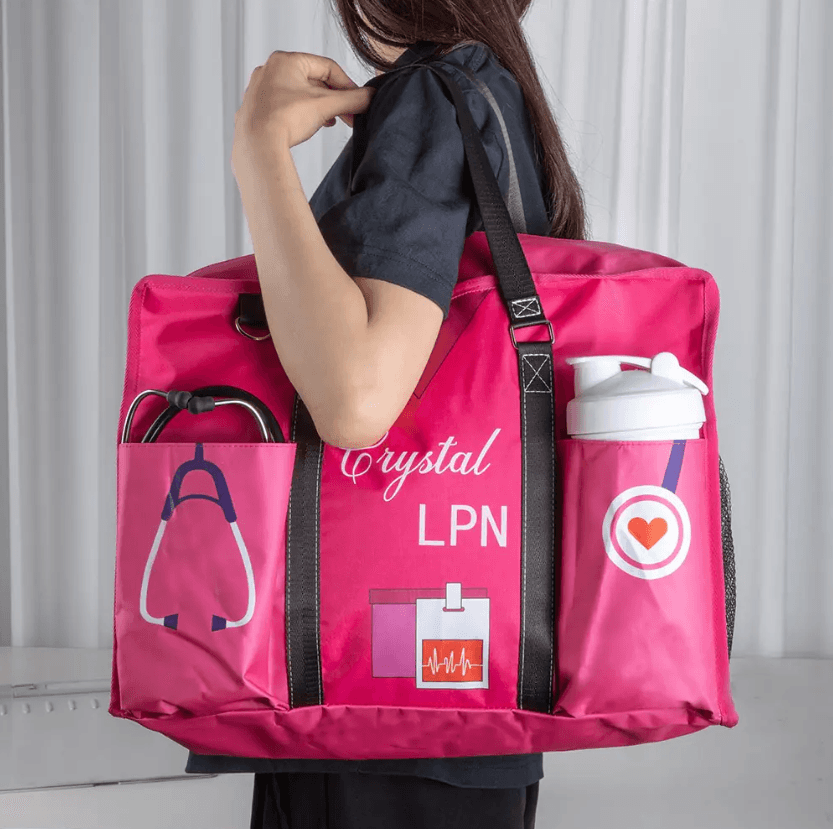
[{"x": 408, "y": 215}]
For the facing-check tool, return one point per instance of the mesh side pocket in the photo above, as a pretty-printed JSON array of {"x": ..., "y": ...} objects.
[{"x": 728, "y": 554}]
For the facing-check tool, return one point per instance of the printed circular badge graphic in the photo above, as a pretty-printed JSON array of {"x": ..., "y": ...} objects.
[{"x": 647, "y": 532}]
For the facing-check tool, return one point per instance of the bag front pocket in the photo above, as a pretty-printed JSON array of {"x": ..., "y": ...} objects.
[
  {"x": 639, "y": 561},
  {"x": 199, "y": 610}
]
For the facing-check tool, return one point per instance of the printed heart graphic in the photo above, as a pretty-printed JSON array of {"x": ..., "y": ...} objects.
[{"x": 647, "y": 534}]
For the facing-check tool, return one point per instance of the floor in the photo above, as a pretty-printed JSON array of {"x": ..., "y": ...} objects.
[{"x": 774, "y": 769}]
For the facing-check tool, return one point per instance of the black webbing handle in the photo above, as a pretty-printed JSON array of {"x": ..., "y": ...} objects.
[{"x": 540, "y": 531}]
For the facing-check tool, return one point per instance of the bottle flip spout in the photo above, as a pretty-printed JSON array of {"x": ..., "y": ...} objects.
[{"x": 590, "y": 371}]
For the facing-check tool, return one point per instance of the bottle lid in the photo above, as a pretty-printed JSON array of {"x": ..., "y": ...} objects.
[{"x": 611, "y": 400}]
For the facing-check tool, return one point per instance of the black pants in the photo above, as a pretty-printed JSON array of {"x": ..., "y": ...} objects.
[{"x": 353, "y": 800}]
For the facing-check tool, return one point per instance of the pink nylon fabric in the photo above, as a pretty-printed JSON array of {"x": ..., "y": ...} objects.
[
  {"x": 436, "y": 504},
  {"x": 198, "y": 543},
  {"x": 631, "y": 632}
]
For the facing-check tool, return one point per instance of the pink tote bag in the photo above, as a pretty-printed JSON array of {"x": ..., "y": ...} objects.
[{"x": 476, "y": 582}]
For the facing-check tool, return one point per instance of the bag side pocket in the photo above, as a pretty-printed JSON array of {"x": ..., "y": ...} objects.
[
  {"x": 199, "y": 610},
  {"x": 637, "y": 579}
]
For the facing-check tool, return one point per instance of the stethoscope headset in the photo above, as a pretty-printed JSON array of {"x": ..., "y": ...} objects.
[{"x": 199, "y": 401}]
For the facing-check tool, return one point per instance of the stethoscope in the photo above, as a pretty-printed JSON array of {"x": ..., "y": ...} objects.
[{"x": 196, "y": 402}]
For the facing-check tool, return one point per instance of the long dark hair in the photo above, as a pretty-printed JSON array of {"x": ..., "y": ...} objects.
[{"x": 497, "y": 24}]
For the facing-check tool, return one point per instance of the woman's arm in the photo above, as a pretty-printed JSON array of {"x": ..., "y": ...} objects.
[
  {"x": 317, "y": 314},
  {"x": 354, "y": 349}
]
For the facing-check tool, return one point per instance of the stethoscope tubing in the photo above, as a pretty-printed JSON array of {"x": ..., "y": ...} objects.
[{"x": 152, "y": 433}]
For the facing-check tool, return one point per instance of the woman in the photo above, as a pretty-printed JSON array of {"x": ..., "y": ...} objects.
[{"x": 356, "y": 283}]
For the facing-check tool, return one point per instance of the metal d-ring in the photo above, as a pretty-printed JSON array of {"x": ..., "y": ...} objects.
[{"x": 247, "y": 334}]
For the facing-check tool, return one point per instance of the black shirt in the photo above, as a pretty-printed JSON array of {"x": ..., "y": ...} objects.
[{"x": 411, "y": 208}]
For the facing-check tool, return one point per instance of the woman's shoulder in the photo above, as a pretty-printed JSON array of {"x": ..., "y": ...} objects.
[
  {"x": 474, "y": 66},
  {"x": 475, "y": 56}
]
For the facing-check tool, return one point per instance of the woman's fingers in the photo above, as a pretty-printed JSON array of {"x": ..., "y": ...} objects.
[
  {"x": 327, "y": 70},
  {"x": 343, "y": 103},
  {"x": 334, "y": 77}
]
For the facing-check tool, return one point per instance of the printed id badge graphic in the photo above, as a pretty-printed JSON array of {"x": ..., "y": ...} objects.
[
  {"x": 413, "y": 635},
  {"x": 452, "y": 641}
]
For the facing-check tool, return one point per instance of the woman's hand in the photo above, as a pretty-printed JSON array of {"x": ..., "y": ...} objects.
[{"x": 291, "y": 97}]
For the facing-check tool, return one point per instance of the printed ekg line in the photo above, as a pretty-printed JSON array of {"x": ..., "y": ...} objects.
[{"x": 441, "y": 665}]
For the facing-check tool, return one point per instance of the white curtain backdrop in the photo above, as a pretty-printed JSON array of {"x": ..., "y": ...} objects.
[{"x": 701, "y": 129}]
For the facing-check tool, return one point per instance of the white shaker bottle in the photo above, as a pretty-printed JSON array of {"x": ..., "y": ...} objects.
[{"x": 663, "y": 403}]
